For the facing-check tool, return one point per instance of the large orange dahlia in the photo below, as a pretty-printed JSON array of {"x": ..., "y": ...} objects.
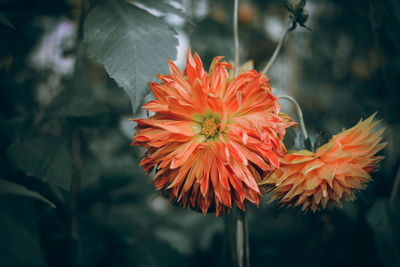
[
  {"x": 332, "y": 173},
  {"x": 211, "y": 137}
]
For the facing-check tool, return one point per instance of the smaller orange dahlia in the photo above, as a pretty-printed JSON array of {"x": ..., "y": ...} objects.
[
  {"x": 211, "y": 137},
  {"x": 332, "y": 173}
]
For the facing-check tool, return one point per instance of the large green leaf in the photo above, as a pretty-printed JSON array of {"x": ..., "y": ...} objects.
[
  {"x": 45, "y": 157},
  {"x": 132, "y": 44},
  {"x": 163, "y": 6},
  {"x": 9, "y": 188}
]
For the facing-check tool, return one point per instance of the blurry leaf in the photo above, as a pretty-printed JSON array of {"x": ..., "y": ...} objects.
[
  {"x": 7, "y": 187},
  {"x": 4, "y": 20},
  {"x": 289, "y": 6},
  {"x": 162, "y": 6},
  {"x": 45, "y": 157},
  {"x": 384, "y": 219},
  {"x": 78, "y": 107},
  {"x": 301, "y": 4},
  {"x": 15, "y": 126},
  {"x": 70, "y": 104},
  {"x": 19, "y": 244},
  {"x": 132, "y": 44}
]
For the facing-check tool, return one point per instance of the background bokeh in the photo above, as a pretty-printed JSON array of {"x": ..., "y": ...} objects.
[{"x": 65, "y": 134}]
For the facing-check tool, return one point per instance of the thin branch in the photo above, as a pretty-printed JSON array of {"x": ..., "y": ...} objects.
[
  {"x": 76, "y": 178},
  {"x": 236, "y": 36},
  {"x": 77, "y": 147},
  {"x": 299, "y": 113},
  {"x": 277, "y": 49}
]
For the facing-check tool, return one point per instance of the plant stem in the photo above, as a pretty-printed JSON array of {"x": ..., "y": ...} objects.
[
  {"x": 242, "y": 240},
  {"x": 77, "y": 157},
  {"x": 236, "y": 37},
  {"x": 299, "y": 113},
  {"x": 230, "y": 257},
  {"x": 277, "y": 49},
  {"x": 77, "y": 145},
  {"x": 242, "y": 231}
]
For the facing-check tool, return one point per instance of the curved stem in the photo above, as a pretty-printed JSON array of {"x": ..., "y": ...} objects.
[
  {"x": 299, "y": 113},
  {"x": 236, "y": 37},
  {"x": 277, "y": 49}
]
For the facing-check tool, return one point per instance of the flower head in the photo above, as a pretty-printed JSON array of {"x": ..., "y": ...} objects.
[
  {"x": 211, "y": 137},
  {"x": 332, "y": 173}
]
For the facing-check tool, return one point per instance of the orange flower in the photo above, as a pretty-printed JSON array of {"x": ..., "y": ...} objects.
[
  {"x": 211, "y": 137},
  {"x": 332, "y": 173}
]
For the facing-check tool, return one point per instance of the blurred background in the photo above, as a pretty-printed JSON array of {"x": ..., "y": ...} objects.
[{"x": 71, "y": 190}]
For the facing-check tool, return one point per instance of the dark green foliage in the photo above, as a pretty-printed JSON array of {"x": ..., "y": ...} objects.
[
  {"x": 9, "y": 188},
  {"x": 126, "y": 40},
  {"x": 70, "y": 104},
  {"x": 20, "y": 244},
  {"x": 163, "y": 6},
  {"x": 46, "y": 157},
  {"x": 345, "y": 69}
]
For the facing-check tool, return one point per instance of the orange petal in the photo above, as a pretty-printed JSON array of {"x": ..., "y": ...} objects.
[{"x": 312, "y": 182}]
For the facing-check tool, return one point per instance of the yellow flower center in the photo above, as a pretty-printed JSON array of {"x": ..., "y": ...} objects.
[{"x": 209, "y": 128}]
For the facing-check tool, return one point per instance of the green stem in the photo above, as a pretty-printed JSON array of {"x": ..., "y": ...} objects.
[
  {"x": 242, "y": 240},
  {"x": 77, "y": 146},
  {"x": 277, "y": 49},
  {"x": 77, "y": 158},
  {"x": 236, "y": 37},
  {"x": 230, "y": 257},
  {"x": 299, "y": 113},
  {"x": 242, "y": 236}
]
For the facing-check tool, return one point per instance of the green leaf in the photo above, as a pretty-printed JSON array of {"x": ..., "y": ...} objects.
[
  {"x": 19, "y": 244},
  {"x": 162, "y": 6},
  {"x": 78, "y": 107},
  {"x": 289, "y": 6},
  {"x": 4, "y": 20},
  {"x": 132, "y": 44},
  {"x": 69, "y": 104},
  {"x": 7, "y": 187},
  {"x": 301, "y": 4},
  {"x": 45, "y": 157}
]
